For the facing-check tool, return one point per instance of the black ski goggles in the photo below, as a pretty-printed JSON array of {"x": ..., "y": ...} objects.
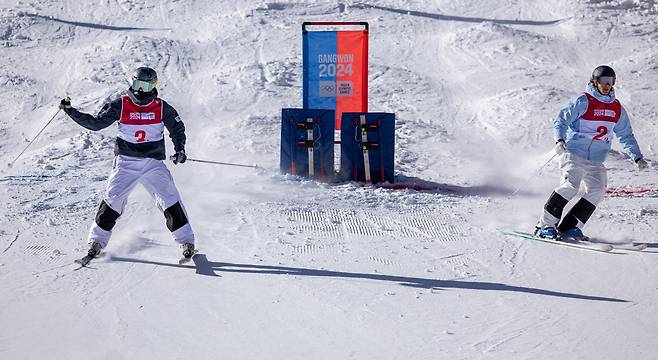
[
  {"x": 610, "y": 80},
  {"x": 144, "y": 86}
]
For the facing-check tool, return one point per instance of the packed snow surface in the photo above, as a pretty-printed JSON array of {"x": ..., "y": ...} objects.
[{"x": 295, "y": 269}]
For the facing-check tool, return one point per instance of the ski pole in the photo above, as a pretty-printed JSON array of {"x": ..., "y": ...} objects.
[
  {"x": 30, "y": 143},
  {"x": 533, "y": 176},
  {"x": 222, "y": 163}
]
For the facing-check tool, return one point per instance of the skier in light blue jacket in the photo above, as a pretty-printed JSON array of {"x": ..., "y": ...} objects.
[{"x": 583, "y": 132}]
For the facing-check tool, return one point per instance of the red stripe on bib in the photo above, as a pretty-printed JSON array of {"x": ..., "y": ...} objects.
[
  {"x": 133, "y": 114},
  {"x": 600, "y": 111}
]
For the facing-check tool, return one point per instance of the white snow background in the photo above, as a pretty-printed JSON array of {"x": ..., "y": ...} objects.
[{"x": 295, "y": 269}]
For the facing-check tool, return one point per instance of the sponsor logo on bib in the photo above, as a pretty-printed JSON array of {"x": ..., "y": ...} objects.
[
  {"x": 142, "y": 116},
  {"x": 605, "y": 112}
]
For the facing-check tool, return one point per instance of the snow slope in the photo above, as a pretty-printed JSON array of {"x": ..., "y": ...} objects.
[{"x": 294, "y": 269}]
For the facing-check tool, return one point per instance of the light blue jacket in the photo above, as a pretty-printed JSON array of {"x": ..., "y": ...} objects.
[{"x": 567, "y": 126}]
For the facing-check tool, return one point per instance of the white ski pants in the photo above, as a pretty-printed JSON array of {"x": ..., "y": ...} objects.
[
  {"x": 576, "y": 170},
  {"x": 155, "y": 177}
]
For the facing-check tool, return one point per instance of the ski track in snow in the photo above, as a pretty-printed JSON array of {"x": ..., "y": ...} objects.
[{"x": 290, "y": 268}]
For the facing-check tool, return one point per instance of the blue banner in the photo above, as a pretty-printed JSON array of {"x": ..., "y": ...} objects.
[{"x": 319, "y": 85}]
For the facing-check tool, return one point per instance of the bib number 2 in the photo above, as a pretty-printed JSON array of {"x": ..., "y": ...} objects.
[
  {"x": 140, "y": 135},
  {"x": 602, "y": 131}
]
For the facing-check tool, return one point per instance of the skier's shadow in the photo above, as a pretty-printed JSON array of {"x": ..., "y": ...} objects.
[
  {"x": 210, "y": 268},
  {"x": 90, "y": 25},
  {"x": 414, "y": 183},
  {"x": 437, "y": 16}
]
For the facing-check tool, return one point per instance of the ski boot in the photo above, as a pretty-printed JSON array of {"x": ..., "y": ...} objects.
[
  {"x": 547, "y": 232},
  {"x": 573, "y": 234},
  {"x": 94, "y": 249},
  {"x": 188, "y": 252}
]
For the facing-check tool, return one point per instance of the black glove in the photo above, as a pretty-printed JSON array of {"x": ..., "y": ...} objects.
[
  {"x": 179, "y": 157},
  {"x": 65, "y": 104}
]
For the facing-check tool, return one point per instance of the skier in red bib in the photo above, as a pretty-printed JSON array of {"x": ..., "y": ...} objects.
[
  {"x": 139, "y": 153},
  {"x": 583, "y": 132}
]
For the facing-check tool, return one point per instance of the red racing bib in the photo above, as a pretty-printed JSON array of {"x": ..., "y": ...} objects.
[
  {"x": 599, "y": 119},
  {"x": 141, "y": 123}
]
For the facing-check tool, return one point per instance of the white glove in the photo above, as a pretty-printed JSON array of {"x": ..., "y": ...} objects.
[
  {"x": 641, "y": 164},
  {"x": 560, "y": 147}
]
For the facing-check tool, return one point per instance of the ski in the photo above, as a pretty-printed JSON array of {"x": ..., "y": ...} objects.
[
  {"x": 185, "y": 260},
  {"x": 630, "y": 246},
  {"x": 94, "y": 251},
  {"x": 83, "y": 261},
  {"x": 585, "y": 245}
]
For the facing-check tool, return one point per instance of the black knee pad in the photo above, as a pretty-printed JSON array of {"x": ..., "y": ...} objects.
[
  {"x": 106, "y": 217},
  {"x": 175, "y": 216},
  {"x": 579, "y": 212},
  {"x": 555, "y": 204}
]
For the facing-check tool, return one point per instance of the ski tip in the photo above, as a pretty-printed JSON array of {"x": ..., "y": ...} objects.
[
  {"x": 606, "y": 248},
  {"x": 632, "y": 246},
  {"x": 78, "y": 264},
  {"x": 507, "y": 232}
]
